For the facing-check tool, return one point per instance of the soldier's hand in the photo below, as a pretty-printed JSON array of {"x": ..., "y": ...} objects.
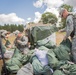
[
  {"x": 64, "y": 38},
  {"x": 59, "y": 31},
  {"x": 9, "y": 46},
  {"x": 62, "y": 30},
  {"x": 70, "y": 62},
  {"x": 18, "y": 41}
]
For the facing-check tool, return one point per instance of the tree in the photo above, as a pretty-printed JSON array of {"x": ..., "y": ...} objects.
[
  {"x": 69, "y": 8},
  {"x": 12, "y": 27},
  {"x": 20, "y": 28},
  {"x": 49, "y": 18}
]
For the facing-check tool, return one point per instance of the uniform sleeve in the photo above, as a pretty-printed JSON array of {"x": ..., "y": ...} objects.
[
  {"x": 69, "y": 27},
  {"x": 63, "y": 30},
  {"x": 24, "y": 42}
]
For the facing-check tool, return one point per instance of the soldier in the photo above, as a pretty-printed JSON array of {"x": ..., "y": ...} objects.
[
  {"x": 21, "y": 42},
  {"x": 70, "y": 29},
  {"x": 5, "y": 35},
  {"x": 8, "y": 53}
]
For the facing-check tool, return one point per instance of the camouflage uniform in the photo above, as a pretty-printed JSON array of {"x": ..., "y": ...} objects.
[
  {"x": 70, "y": 25},
  {"x": 22, "y": 45},
  {"x": 74, "y": 41},
  {"x": 3, "y": 33}
]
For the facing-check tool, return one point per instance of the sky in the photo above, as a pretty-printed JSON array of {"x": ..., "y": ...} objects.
[{"x": 24, "y": 11}]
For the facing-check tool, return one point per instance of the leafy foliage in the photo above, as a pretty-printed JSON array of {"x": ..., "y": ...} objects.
[
  {"x": 49, "y": 18},
  {"x": 12, "y": 27}
]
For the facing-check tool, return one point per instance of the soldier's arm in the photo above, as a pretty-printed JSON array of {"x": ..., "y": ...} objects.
[
  {"x": 62, "y": 30},
  {"x": 15, "y": 42},
  {"x": 24, "y": 42},
  {"x": 69, "y": 27}
]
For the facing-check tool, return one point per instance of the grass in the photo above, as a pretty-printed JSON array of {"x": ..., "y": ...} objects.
[
  {"x": 59, "y": 37},
  {"x": 11, "y": 39}
]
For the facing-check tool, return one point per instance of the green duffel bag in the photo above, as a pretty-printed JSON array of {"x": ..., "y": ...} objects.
[
  {"x": 58, "y": 72},
  {"x": 41, "y": 32},
  {"x": 13, "y": 61},
  {"x": 39, "y": 69},
  {"x": 37, "y": 66},
  {"x": 49, "y": 44},
  {"x": 52, "y": 60},
  {"x": 62, "y": 53},
  {"x": 27, "y": 58},
  {"x": 13, "y": 69},
  {"x": 17, "y": 54},
  {"x": 67, "y": 44},
  {"x": 13, "y": 65},
  {"x": 69, "y": 69},
  {"x": 72, "y": 69},
  {"x": 43, "y": 48},
  {"x": 63, "y": 50},
  {"x": 7, "y": 43}
]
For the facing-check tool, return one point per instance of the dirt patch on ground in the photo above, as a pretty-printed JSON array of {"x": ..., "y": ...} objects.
[
  {"x": 1, "y": 62},
  {"x": 59, "y": 37}
]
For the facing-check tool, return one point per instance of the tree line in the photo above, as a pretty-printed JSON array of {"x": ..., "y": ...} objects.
[{"x": 12, "y": 27}]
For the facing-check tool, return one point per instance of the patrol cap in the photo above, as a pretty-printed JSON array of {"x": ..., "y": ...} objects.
[
  {"x": 61, "y": 11},
  {"x": 7, "y": 32},
  {"x": 3, "y": 34},
  {"x": 16, "y": 32},
  {"x": 1, "y": 31}
]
